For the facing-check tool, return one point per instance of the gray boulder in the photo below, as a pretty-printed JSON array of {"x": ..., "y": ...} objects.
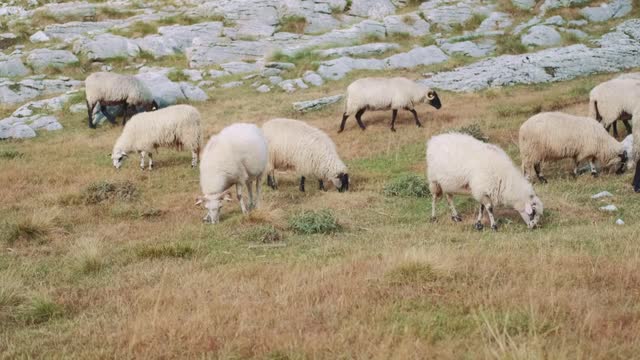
[
  {"x": 167, "y": 92},
  {"x": 106, "y": 46},
  {"x": 524, "y": 4},
  {"x": 40, "y": 59},
  {"x": 211, "y": 52},
  {"x": 312, "y": 105},
  {"x": 263, "y": 88},
  {"x": 373, "y": 9},
  {"x": 70, "y": 10},
  {"x": 12, "y": 66},
  {"x": 338, "y": 68},
  {"x": 468, "y": 48},
  {"x": 21, "y": 131},
  {"x": 541, "y": 35},
  {"x": 240, "y": 67},
  {"x": 605, "y": 12},
  {"x": 416, "y": 57},
  {"x": 176, "y": 38},
  {"x": 192, "y": 92},
  {"x": 312, "y": 78},
  {"x": 39, "y": 37},
  {"x": 77, "y": 29},
  {"x": 359, "y": 50},
  {"x": 231, "y": 84},
  {"x": 411, "y": 24}
]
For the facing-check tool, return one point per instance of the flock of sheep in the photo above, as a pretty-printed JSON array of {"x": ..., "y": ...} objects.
[{"x": 456, "y": 163}]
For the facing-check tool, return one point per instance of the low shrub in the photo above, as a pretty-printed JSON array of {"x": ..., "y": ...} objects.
[
  {"x": 314, "y": 222},
  {"x": 102, "y": 191},
  {"x": 473, "y": 130},
  {"x": 409, "y": 185},
  {"x": 263, "y": 234}
]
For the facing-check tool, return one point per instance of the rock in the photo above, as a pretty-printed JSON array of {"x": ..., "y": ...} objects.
[
  {"x": 71, "y": 10},
  {"x": 312, "y": 78},
  {"x": 359, "y": 50},
  {"x": 619, "y": 222},
  {"x": 193, "y": 75},
  {"x": 106, "y": 46},
  {"x": 217, "y": 73},
  {"x": 205, "y": 84},
  {"x": 620, "y": 50},
  {"x": 419, "y": 56},
  {"x": 468, "y": 48},
  {"x": 312, "y": 105},
  {"x": 458, "y": 13},
  {"x": 554, "y": 20},
  {"x": 373, "y": 9},
  {"x": 76, "y": 29},
  {"x": 292, "y": 85},
  {"x": 40, "y": 59},
  {"x": 604, "y": 12},
  {"x": 524, "y": 4},
  {"x": 577, "y": 23},
  {"x": 192, "y": 92},
  {"x": 267, "y": 72},
  {"x": 541, "y": 35},
  {"x": 7, "y": 40},
  {"x": 79, "y": 108},
  {"x": 231, "y": 84},
  {"x": 164, "y": 91},
  {"x": 495, "y": 21},
  {"x": 176, "y": 38},
  {"x": 12, "y": 66},
  {"x": 601, "y": 195},
  {"x": 555, "y": 4},
  {"x": 263, "y": 89},
  {"x": 205, "y": 53},
  {"x": 240, "y": 67},
  {"x": 520, "y": 28},
  {"x": 274, "y": 80},
  {"x": 48, "y": 105},
  {"x": 39, "y": 37},
  {"x": 22, "y": 132},
  {"x": 609, "y": 208},
  {"x": 282, "y": 66},
  {"x": 49, "y": 123},
  {"x": 577, "y": 33},
  {"x": 411, "y": 24},
  {"x": 338, "y": 68},
  {"x": 26, "y": 89},
  {"x": 17, "y": 11}
]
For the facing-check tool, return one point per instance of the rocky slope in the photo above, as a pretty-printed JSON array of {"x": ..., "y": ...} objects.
[{"x": 187, "y": 49}]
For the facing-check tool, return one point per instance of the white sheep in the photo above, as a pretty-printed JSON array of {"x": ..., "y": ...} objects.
[
  {"x": 111, "y": 89},
  {"x": 635, "y": 153},
  {"x": 614, "y": 100},
  {"x": 386, "y": 94},
  {"x": 308, "y": 150},
  {"x": 554, "y": 136},
  {"x": 460, "y": 164},
  {"x": 627, "y": 145},
  {"x": 175, "y": 126},
  {"x": 236, "y": 156}
]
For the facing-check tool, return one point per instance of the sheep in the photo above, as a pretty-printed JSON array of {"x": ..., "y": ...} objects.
[
  {"x": 110, "y": 89},
  {"x": 613, "y": 100},
  {"x": 555, "y": 136},
  {"x": 384, "y": 94},
  {"x": 175, "y": 126},
  {"x": 635, "y": 154},
  {"x": 308, "y": 150},
  {"x": 627, "y": 145},
  {"x": 460, "y": 164},
  {"x": 237, "y": 155}
]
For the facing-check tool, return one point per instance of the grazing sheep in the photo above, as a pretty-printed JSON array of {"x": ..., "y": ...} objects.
[
  {"x": 237, "y": 155},
  {"x": 174, "y": 126},
  {"x": 614, "y": 100},
  {"x": 555, "y": 136},
  {"x": 635, "y": 154},
  {"x": 627, "y": 145},
  {"x": 460, "y": 164},
  {"x": 309, "y": 151},
  {"x": 110, "y": 89},
  {"x": 384, "y": 94}
]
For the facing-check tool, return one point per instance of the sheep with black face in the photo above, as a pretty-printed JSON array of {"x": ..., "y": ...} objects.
[{"x": 386, "y": 94}]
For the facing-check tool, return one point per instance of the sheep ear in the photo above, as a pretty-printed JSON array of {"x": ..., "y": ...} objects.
[
  {"x": 199, "y": 200},
  {"x": 624, "y": 156},
  {"x": 226, "y": 197},
  {"x": 528, "y": 209}
]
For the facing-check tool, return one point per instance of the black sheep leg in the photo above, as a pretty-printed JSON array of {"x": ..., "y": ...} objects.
[
  {"x": 343, "y": 122},
  {"x": 302, "y": 183},
  {"x": 359, "y": 119},
  {"x": 415, "y": 116},
  {"x": 394, "y": 114},
  {"x": 636, "y": 178}
]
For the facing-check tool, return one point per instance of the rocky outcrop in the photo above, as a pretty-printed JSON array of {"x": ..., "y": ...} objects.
[{"x": 41, "y": 59}]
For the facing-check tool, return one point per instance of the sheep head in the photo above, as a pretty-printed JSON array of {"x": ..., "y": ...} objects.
[
  {"x": 341, "y": 182},
  {"x": 213, "y": 203},
  {"x": 531, "y": 210},
  {"x": 433, "y": 99},
  {"x": 118, "y": 157}
]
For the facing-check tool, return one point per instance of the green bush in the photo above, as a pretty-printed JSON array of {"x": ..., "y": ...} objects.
[
  {"x": 314, "y": 222},
  {"x": 102, "y": 191},
  {"x": 473, "y": 130},
  {"x": 38, "y": 310},
  {"x": 409, "y": 185},
  {"x": 177, "y": 75},
  {"x": 10, "y": 154},
  {"x": 293, "y": 24},
  {"x": 263, "y": 234},
  {"x": 411, "y": 273},
  {"x": 25, "y": 230}
]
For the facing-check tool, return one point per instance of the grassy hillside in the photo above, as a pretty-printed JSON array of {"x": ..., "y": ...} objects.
[{"x": 99, "y": 263}]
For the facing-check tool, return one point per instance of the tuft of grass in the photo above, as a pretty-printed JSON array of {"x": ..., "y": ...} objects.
[
  {"x": 511, "y": 110},
  {"x": 570, "y": 38},
  {"x": 314, "y": 222},
  {"x": 87, "y": 254},
  {"x": 101, "y": 191},
  {"x": 137, "y": 29},
  {"x": 181, "y": 251},
  {"x": 304, "y": 60},
  {"x": 411, "y": 273},
  {"x": 510, "y": 44},
  {"x": 38, "y": 310},
  {"x": 187, "y": 19},
  {"x": 293, "y": 24},
  {"x": 34, "y": 229},
  {"x": 474, "y": 130},
  {"x": 407, "y": 185},
  {"x": 10, "y": 293},
  {"x": 110, "y": 12},
  {"x": 10, "y": 154},
  {"x": 177, "y": 75},
  {"x": 347, "y": 7},
  {"x": 263, "y": 234}
]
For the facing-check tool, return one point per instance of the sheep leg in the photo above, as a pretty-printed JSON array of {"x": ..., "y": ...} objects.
[
  {"x": 321, "y": 183},
  {"x": 454, "y": 213},
  {"x": 636, "y": 178},
  {"x": 615, "y": 129},
  {"x": 239, "y": 196},
  {"x": 90, "y": 111},
  {"x": 258, "y": 191},
  {"x": 359, "y": 119},
  {"x": 150, "y": 162},
  {"x": 142, "y": 155},
  {"x": 538, "y": 170},
  {"x": 271, "y": 181},
  {"x": 592, "y": 167},
  {"x": 343, "y": 123},
  {"x": 576, "y": 164},
  {"x": 302, "y": 179},
  {"x": 489, "y": 207},
  {"x": 478, "y": 226},
  {"x": 415, "y": 116},
  {"x": 111, "y": 118},
  {"x": 249, "y": 185},
  {"x": 627, "y": 125},
  {"x": 394, "y": 114},
  {"x": 126, "y": 113},
  {"x": 436, "y": 192},
  {"x": 194, "y": 158}
]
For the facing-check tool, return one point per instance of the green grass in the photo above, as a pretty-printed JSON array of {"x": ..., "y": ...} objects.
[
  {"x": 38, "y": 310},
  {"x": 263, "y": 234},
  {"x": 314, "y": 222},
  {"x": 510, "y": 44},
  {"x": 102, "y": 191},
  {"x": 474, "y": 130},
  {"x": 177, "y": 75},
  {"x": 407, "y": 185},
  {"x": 293, "y": 24},
  {"x": 181, "y": 251},
  {"x": 10, "y": 154},
  {"x": 137, "y": 29}
]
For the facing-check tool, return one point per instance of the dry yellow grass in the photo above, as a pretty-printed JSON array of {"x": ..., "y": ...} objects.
[{"x": 144, "y": 278}]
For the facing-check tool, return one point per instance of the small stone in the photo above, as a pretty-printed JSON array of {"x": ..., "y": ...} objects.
[
  {"x": 217, "y": 73},
  {"x": 275, "y": 80},
  {"x": 39, "y": 37},
  {"x": 609, "y": 208},
  {"x": 263, "y": 88},
  {"x": 280, "y": 65},
  {"x": 542, "y": 35},
  {"x": 231, "y": 84},
  {"x": 312, "y": 78},
  {"x": 311, "y": 105},
  {"x": 22, "y": 132},
  {"x": 619, "y": 222},
  {"x": 601, "y": 195},
  {"x": 78, "y": 108}
]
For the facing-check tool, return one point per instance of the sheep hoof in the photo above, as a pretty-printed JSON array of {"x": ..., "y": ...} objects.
[
  {"x": 433, "y": 218},
  {"x": 393, "y": 129},
  {"x": 594, "y": 174},
  {"x": 456, "y": 218},
  {"x": 340, "y": 130},
  {"x": 419, "y": 125},
  {"x": 543, "y": 180},
  {"x": 494, "y": 227},
  {"x": 636, "y": 189},
  {"x": 478, "y": 226}
]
